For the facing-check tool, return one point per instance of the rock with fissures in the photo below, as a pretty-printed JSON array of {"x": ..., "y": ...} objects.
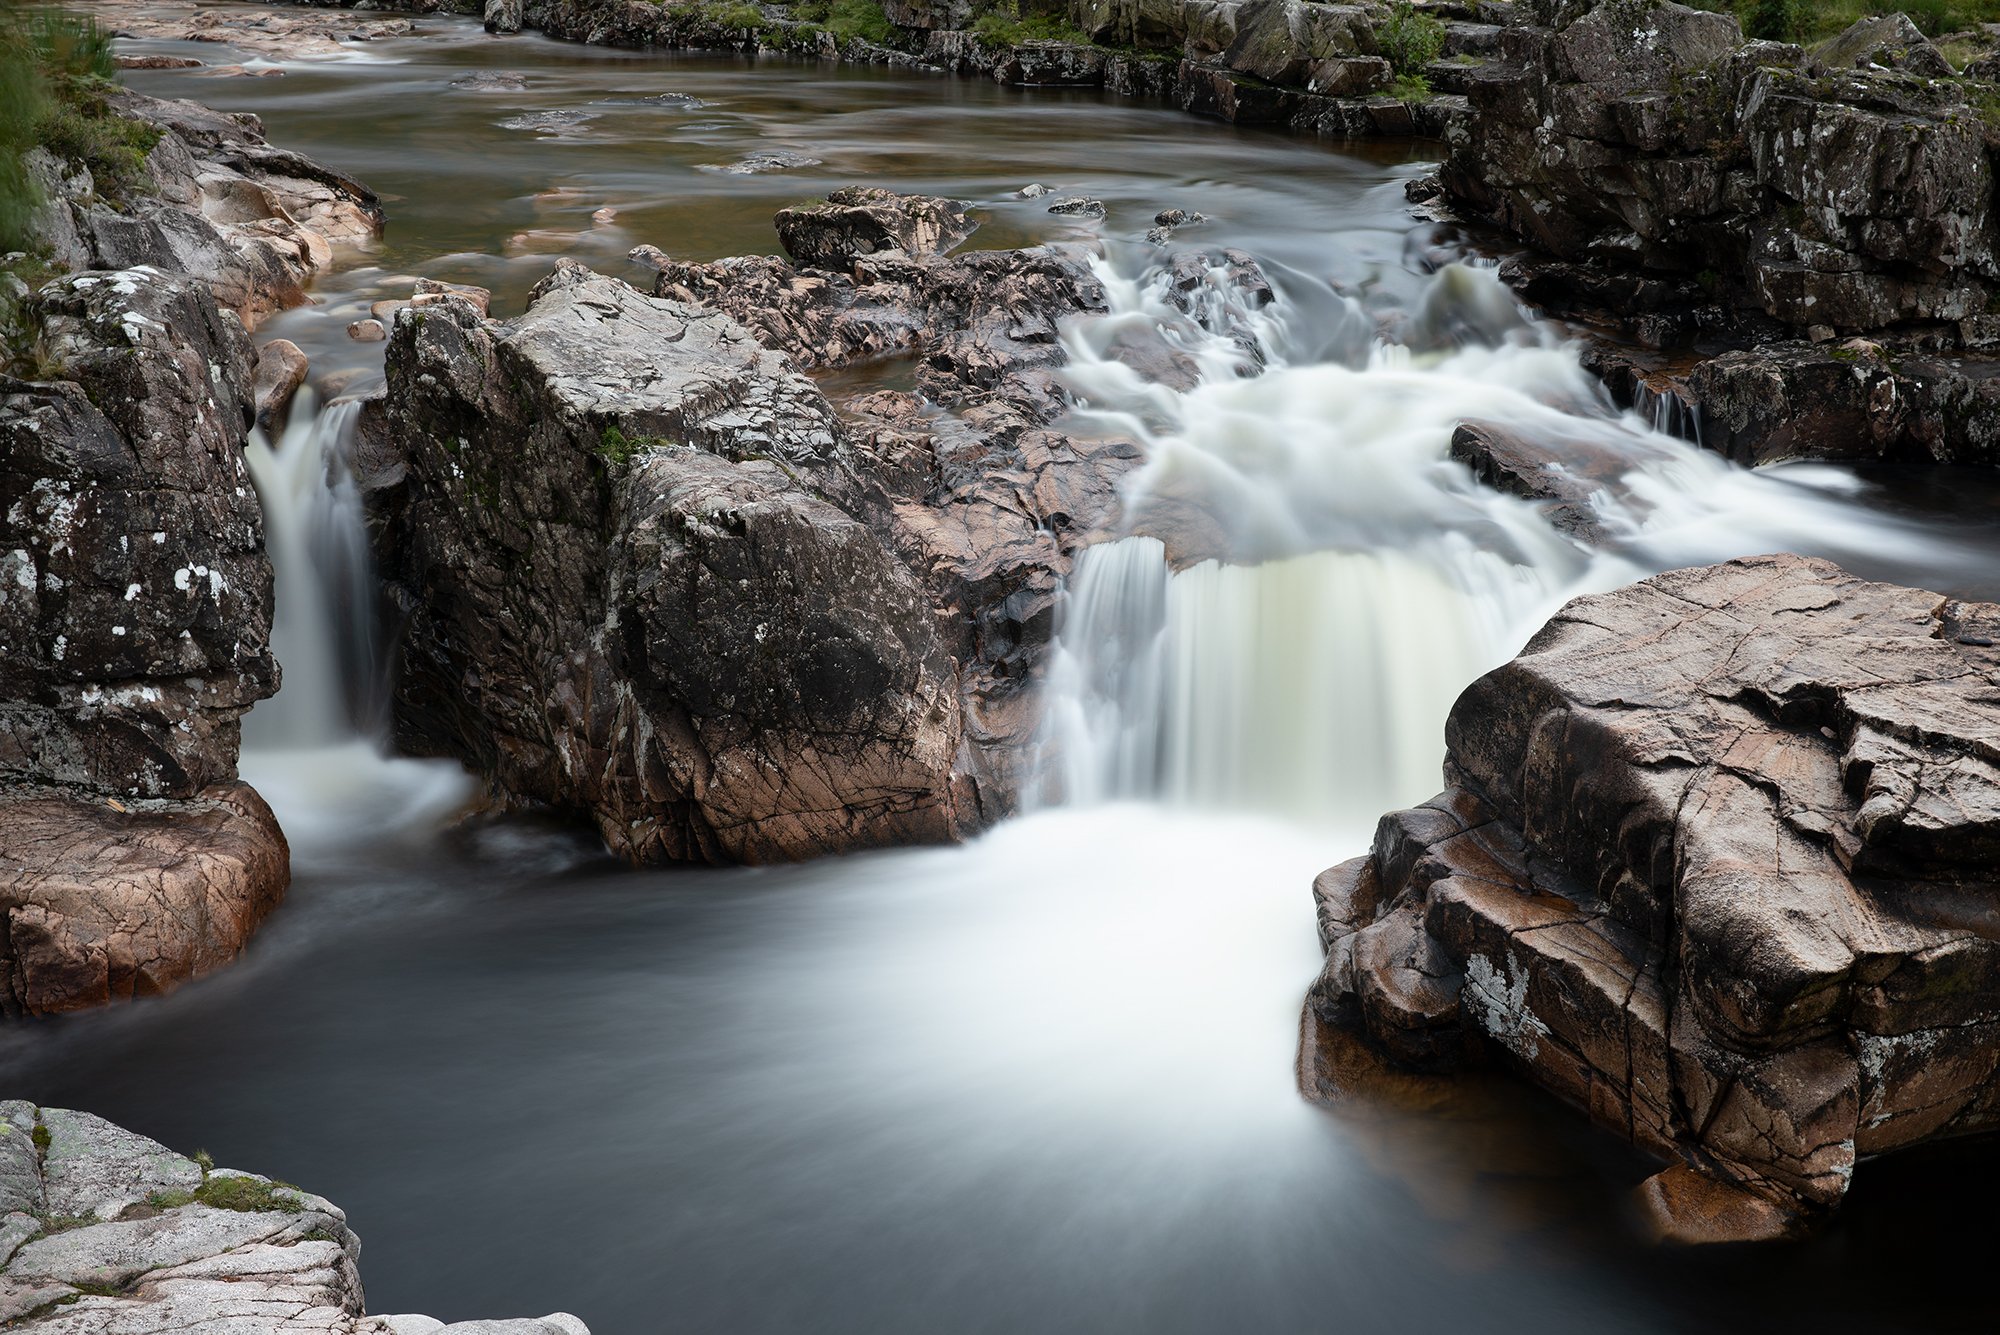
[
  {"x": 1716, "y": 865},
  {"x": 106, "y": 900},
  {"x": 281, "y": 369},
  {"x": 632, "y": 596},
  {"x": 121, "y": 1234},
  {"x": 861, "y": 220}
]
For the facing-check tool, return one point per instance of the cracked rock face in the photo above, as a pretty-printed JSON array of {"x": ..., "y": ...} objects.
[
  {"x": 108, "y": 1233},
  {"x": 1847, "y": 190},
  {"x": 631, "y": 595},
  {"x": 1715, "y": 864}
]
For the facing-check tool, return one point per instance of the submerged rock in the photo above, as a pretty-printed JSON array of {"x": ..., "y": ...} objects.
[
  {"x": 861, "y": 220},
  {"x": 111, "y": 1231},
  {"x": 1715, "y": 864}
]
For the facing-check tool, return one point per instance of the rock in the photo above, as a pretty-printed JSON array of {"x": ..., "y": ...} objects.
[
  {"x": 431, "y": 289},
  {"x": 491, "y": 81},
  {"x": 1708, "y": 866},
  {"x": 1078, "y": 206},
  {"x": 195, "y": 1252},
  {"x": 1744, "y": 183},
  {"x": 693, "y": 647},
  {"x": 20, "y": 1162},
  {"x": 135, "y": 611},
  {"x": 1564, "y": 478},
  {"x": 106, "y": 902},
  {"x": 306, "y": 35},
  {"x": 157, "y": 62},
  {"x": 367, "y": 331},
  {"x": 652, "y": 257},
  {"x": 281, "y": 369},
  {"x": 1883, "y": 41},
  {"x": 1034, "y": 190},
  {"x": 776, "y": 160},
  {"x": 861, "y": 220},
  {"x": 94, "y": 1169},
  {"x": 503, "y": 16}
]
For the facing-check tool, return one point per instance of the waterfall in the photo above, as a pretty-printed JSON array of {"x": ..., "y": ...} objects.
[
  {"x": 1309, "y": 579},
  {"x": 317, "y": 748}
]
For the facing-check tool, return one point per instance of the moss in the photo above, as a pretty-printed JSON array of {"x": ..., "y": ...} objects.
[
  {"x": 1006, "y": 26},
  {"x": 860, "y": 20},
  {"x": 742, "y": 17},
  {"x": 1411, "y": 88},
  {"x": 615, "y": 447},
  {"x": 249, "y": 1194},
  {"x": 41, "y": 1137}
]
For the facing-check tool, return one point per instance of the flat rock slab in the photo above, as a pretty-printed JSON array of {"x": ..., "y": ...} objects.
[{"x": 1717, "y": 864}]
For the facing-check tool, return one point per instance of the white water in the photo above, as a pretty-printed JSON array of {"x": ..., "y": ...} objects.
[
  {"x": 316, "y": 749},
  {"x": 1357, "y": 577}
]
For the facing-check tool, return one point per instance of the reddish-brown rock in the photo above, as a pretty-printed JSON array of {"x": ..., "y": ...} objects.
[
  {"x": 104, "y": 900},
  {"x": 1717, "y": 864}
]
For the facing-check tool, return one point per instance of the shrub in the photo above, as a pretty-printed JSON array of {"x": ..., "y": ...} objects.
[
  {"x": 1410, "y": 40},
  {"x": 1776, "y": 20},
  {"x": 863, "y": 20}
]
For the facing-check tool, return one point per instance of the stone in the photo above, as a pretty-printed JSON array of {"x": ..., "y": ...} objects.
[
  {"x": 95, "y": 1169},
  {"x": 503, "y": 16},
  {"x": 695, "y": 648},
  {"x": 1705, "y": 867},
  {"x": 1882, "y": 41},
  {"x": 173, "y": 1261},
  {"x": 367, "y": 331},
  {"x": 281, "y": 369},
  {"x": 20, "y": 1161},
  {"x": 1078, "y": 206},
  {"x": 107, "y": 900},
  {"x": 861, "y": 220}
]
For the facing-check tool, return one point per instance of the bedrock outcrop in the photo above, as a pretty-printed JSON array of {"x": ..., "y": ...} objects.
[
  {"x": 649, "y": 572},
  {"x": 102, "y": 1229},
  {"x": 1715, "y": 863},
  {"x": 135, "y": 590}
]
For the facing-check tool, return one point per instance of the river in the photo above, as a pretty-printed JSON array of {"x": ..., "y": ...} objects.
[{"x": 1044, "y": 1081}]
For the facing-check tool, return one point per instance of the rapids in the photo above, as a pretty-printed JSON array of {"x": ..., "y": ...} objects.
[{"x": 1043, "y": 1081}]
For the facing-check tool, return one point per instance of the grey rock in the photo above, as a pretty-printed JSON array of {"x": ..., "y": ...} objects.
[
  {"x": 20, "y": 1160},
  {"x": 16, "y": 1229},
  {"x": 862, "y": 220},
  {"x": 1078, "y": 206},
  {"x": 93, "y": 1167},
  {"x": 1883, "y": 41},
  {"x": 503, "y": 16}
]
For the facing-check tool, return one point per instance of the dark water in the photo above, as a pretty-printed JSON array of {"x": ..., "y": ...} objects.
[{"x": 1043, "y": 1082}]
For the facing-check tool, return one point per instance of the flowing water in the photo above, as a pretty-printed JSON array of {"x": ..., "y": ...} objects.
[{"x": 1042, "y": 1082}]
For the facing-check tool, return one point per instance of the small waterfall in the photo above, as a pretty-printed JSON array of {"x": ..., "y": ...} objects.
[
  {"x": 316, "y": 749},
  {"x": 324, "y": 630}
]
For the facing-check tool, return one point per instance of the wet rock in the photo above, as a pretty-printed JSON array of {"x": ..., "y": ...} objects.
[
  {"x": 1034, "y": 190},
  {"x": 861, "y": 220},
  {"x": 691, "y": 644},
  {"x": 304, "y": 34},
  {"x": 1831, "y": 191},
  {"x": 367, "y": 331},
  {"x": 492, "y": 81},
  {"x": 1078, "y": 206},
  {"x": 776, "y": 160},
  {"x": 1565, "y": 479},
  {"x": 503, "y": 16},
  {"x": 157, "y": 62},
  {"x": 1709, "y": 866},
  {"x": 281, "y": 369},
  {"x": 106, "y": 900}
]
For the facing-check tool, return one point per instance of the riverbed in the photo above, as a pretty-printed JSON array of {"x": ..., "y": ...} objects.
[{"x": 1044, "y": 1081}]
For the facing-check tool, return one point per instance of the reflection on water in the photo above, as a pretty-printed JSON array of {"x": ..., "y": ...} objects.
[{"x": 1044, "y": 1082}]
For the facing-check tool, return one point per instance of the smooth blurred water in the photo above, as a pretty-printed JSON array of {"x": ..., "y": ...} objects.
[{"x": 1044, "y": 1081}]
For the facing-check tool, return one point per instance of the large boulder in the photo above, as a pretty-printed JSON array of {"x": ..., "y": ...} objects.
[
  {"x": 1715, "y": 863},
  {"x": 630, "y": 596},
  {"x": 861, "y": 220}
]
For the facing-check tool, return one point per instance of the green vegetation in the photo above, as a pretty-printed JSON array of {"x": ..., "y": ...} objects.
[
  {"x": 615, "y": 447},
  {"x": 55, "y": 72},
  {"x": 1411, "y": 88},
  {"x": 746, "y": 17},
  {"x": 41, "y": 1138},
  {"x": 1810, "y": 21},
  {"x": 1410, "y": 40},
  {"x": 249, "y": 1194},
  {"x": 850, "y": 20},
  {"x": 1005, "y": 25}
]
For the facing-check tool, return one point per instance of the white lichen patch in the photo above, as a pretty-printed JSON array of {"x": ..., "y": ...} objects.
[{"x": 1498, "y": 998}]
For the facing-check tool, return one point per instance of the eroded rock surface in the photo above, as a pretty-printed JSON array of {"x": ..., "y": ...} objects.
[
  {"x": 1715, "y": 864},
  {"x": 110, "y": 1233}
]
